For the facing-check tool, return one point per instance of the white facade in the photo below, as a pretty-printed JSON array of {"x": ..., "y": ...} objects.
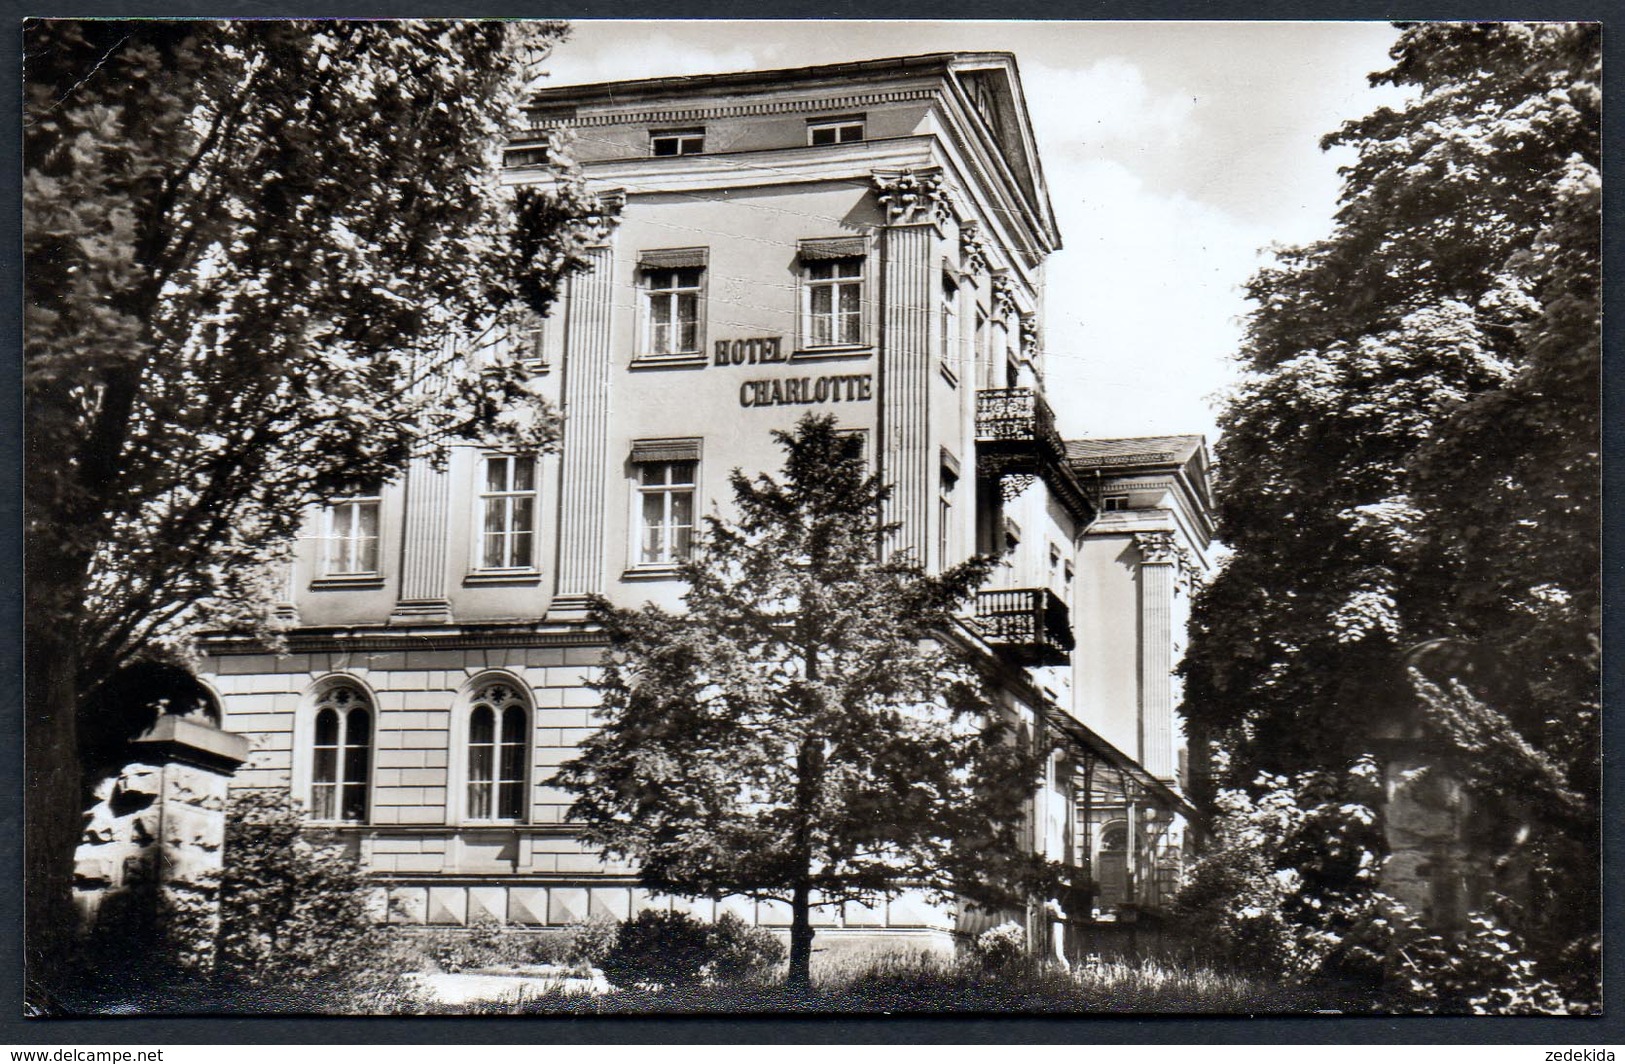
[{"x": 864, "y": 240}]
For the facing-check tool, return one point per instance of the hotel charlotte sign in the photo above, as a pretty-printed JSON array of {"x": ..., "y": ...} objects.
[{"x": 793, "y": 391}]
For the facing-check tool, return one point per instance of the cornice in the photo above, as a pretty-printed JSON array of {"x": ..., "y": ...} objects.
[
  {"x": 379, "y": 638},
  {"x": 851, "y": 163},
  {"x": 708, "y": 112}
]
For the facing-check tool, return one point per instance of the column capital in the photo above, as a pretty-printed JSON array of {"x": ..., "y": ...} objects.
[
  {"x": 1157, "y": 548},
  {"x": 972, "y": 249},
  {"x": 913, "y": 197},
  {"x": 1004, "y": 295},
  {"x": 1029, "y": 337},
  {"x": 601, "y": 225}
]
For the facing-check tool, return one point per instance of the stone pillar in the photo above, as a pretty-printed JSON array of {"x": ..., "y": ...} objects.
[
  {"x": 148, "y": 865},
  {"x": 1432, "y": 865},
  {"x": 584, "y": 474},
  {"x": 916, "y": 208},
  {"x": 424, "y": 543},
  {"x": 1159, "y": 563}
]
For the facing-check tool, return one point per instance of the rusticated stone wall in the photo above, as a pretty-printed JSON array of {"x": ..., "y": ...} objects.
[{"x": 148, "y": 865}]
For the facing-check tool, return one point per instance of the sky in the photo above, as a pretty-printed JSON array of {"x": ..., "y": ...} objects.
[{"x": 1176, "y": 154}]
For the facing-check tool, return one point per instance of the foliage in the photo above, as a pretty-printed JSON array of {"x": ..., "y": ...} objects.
[
  {"x": 295, "y": 915},
  {"x": 1001, "y": 946},
  {"x": 658, "y": 949},
  {"x": 1409, "y": 473},
  {"x": 740, "y": 951},
  {"x": 1288, "y": 884},
  {"x": 804, "y": 727},
  {"x": 487, "y": 944},
  {"x": 263, "y": 259},
  {"x": 250, "y": 245},
  {"x": 932, "y": 985},
  {"x": 590, "y": 941},
  {"x": 1484, "y": 971}
]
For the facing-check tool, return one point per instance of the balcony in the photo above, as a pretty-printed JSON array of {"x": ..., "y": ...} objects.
[
  {"x": 1031, "y": 623},
  {"x": 1015, "y": 432}
]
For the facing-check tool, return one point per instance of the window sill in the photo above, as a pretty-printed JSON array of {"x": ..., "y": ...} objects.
[
  {"x": 651, "y": 572},
  {"x": 357, "y": 582},
  {"x": 501, "y": 577},
  {"x": 832, "y": 352},
  {"x": 695, "y": 360}
]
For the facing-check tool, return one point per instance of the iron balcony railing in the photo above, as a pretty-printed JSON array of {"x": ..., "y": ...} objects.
[
  {"x": 1017, "y": 422},
  {"x": 1031, "y": 623}
]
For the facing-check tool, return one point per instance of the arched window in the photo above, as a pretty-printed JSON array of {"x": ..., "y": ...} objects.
[
  {"x": 498, "y": 750},
  {"x": 342, "y": 749},
  {"x": 1114, "y": 837}
]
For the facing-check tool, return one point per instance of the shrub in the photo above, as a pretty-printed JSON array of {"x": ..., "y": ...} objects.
[
  {"x": 1000, "y": 947},
  {"x": 740, "y": 951},
  {"x": 1484, "y": 970},
  {"x": 589, "y": 942},
  {"x": 658, "y": 948},
  {"x": 295, "y": 920}
]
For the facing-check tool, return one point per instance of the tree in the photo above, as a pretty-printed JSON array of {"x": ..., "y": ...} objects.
[
  {"x": 807, "y": 730},
  {"x": 258, "y": 257},
  {"x": 1412, "y": 462}
]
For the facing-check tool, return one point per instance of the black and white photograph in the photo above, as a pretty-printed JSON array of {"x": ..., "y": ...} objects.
[{"x": 623, "y": 518}]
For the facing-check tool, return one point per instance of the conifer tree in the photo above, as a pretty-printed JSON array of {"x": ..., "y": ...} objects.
[{"x": 806, "y": 730}]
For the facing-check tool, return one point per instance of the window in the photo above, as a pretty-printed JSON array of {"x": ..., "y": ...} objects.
[
  {"x": 945, "y": 517},
  {"x": 677, "y": 142},
  {"x": 508, "y": 508},
  {"x": 665, "y": 500},
  {"x": 498, "y": 750},
  {"x": 530, "y": 342},
  {"x": 950, "y": 324},
  {"x": 673, "y": 296},
  {"x": 835, "y": 130},
  {"x": 342, "y": 749},
  {"x": 350, "y": 540},
  {"x": 1012, "y": 543},
  {"x": 834, "y": 302},
  {"x": 1113, "y": 503},
  {"x": 982, "y": 353}
]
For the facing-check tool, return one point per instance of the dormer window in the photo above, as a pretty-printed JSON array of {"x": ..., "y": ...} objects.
[
  {"x": 847, "y": 130},
  {"x": 677, "y": 142}
]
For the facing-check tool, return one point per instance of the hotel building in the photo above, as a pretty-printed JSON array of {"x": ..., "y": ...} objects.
[{"x": 865, "y": 240}]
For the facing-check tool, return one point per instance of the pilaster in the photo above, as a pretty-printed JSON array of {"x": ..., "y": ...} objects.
[
  {"x": 915, "y": 205},
  {"x": 1159, "y": 565},
  {"x": 584, "y": 473},
  {"x": 424, "y": 544}
]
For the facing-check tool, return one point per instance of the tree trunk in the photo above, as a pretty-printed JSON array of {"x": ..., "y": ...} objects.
[
  {"x": 801, "y": 938},
  {"x": 52, "y": 815}
]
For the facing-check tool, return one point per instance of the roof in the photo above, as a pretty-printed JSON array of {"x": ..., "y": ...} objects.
[
  {"x": 1133, "y": 450},
  {"x": 619, "y": 90},
  {"x": 1006, "y": 129}
]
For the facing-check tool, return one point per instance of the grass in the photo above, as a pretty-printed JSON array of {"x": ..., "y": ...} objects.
[{"x": 927, "y": 985}]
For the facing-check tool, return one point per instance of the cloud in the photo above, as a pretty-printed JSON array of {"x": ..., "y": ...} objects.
[
  {"x": 1143, "y": 306},
  {"x": 613, "y": 52},
  {"x": 1108, "y": 102}
]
